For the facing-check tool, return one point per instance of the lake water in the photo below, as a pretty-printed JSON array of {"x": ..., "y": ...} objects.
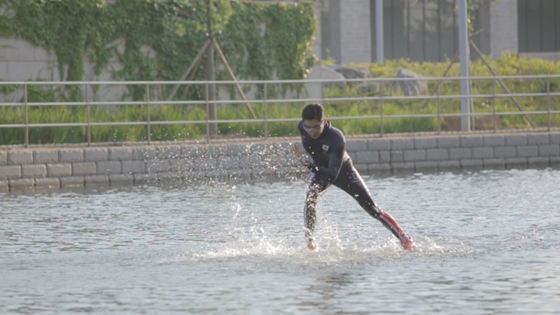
[{"x": 487, "y": 243}]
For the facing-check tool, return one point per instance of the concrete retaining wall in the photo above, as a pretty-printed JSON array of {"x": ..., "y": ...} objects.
[{"x": 52, "y": 168}]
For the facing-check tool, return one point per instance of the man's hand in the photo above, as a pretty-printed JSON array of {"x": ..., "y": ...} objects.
[
  {"x": 311, "y": 166},
  {"x": 296, "y": 152}
]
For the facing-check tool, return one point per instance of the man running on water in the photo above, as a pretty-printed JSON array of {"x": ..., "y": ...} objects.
[{"x": 332, "y": 165}]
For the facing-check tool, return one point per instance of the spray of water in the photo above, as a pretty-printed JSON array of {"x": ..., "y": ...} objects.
[{"x": 252, "y": 244}]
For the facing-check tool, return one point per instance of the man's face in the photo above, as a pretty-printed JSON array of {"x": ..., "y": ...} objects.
[{"x": 314, "y": 128}]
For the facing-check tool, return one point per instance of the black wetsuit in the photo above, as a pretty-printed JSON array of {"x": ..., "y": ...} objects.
[{"x": 332, "y": 165}]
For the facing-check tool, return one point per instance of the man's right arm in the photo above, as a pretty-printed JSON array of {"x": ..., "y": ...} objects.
[{"x": 331, "y": 172}]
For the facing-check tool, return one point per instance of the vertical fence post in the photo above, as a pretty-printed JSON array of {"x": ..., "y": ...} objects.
[
  {"x": 438, "y": 108},
  {"x": 494, "y": 103},
  {"x": 26, "y": 117},
  {"x": 207, "y": 114},
  {"x": 265, "y": 112},
  {"x": 323, "y": 92},
  {"x": 148, "y": 118},
  {"x": 88, "y": 117},
  {"x": 548, "y": 100},
  {"x": 381, "y": 104}
]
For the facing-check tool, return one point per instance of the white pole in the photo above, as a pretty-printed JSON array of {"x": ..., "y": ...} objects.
[
  {"x": 464, "y": 55},
  {"x": 379, "y": 30}
]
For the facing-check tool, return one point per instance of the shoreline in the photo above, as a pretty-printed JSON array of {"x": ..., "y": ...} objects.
[{"x": 51, "y": 167}]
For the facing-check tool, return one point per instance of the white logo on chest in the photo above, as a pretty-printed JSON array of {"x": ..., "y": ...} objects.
[{"x": 325, "y": 148}]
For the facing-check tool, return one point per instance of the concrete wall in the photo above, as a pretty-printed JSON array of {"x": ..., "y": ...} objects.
[
  {"x": 355, "y": 31},
  {"x": 345, "y": 30},
  {"x": 553, "y": 56},
  {"x": 314, "y": 90},
  {"x": 22, "y": 61},
  {"x": 503, "y": 27},
  {"x": 54, "y": 168},
  {"x": 497, "y": 22},
  {"x": 28, "y": 169}
]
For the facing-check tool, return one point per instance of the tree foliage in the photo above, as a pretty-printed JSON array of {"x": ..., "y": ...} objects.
[{"x": 162, "y": 37}]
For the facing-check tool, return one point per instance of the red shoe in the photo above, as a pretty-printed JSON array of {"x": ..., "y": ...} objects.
[{"x": 408, "y": 244}]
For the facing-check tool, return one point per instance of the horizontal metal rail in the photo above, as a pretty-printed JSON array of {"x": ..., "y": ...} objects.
[
  {"x": 270, "y": 120},
  {"x": 299, "y": 100},
  {"x": 379, "y": 98},
  {"x": 268, "y": 82}
]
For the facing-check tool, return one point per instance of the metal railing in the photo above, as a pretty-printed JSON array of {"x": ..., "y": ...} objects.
[{"x": 383, "y": 95}]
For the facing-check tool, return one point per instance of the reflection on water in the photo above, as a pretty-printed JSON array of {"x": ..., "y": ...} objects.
[{"x": 487, "y": 242}]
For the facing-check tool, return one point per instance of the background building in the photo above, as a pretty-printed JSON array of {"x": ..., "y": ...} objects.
[
  {"x": 422, "y": 30},
  {"x": 426, "y": 30}
]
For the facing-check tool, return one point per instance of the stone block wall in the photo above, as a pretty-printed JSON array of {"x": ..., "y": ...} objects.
[
  {"x": 48, "y": 168},
  {"x": 52, "y": 168},
  {"x": 456, "y": 152}
]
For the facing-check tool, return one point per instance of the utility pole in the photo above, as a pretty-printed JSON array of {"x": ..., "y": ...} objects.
[
  {"x": 464, "y": 55},
  {"x": 379, "y": 30},
  {"x": 211, "y": 74}
]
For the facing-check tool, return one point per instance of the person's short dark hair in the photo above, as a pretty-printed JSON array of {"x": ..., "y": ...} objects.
[{"x": 313, "y": 112}]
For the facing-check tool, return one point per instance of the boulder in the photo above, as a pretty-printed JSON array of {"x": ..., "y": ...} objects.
[
  {"x": 328, "y": 73},
  {"x": 351, "y": 73},
  {"x": 414, "y": 86}
]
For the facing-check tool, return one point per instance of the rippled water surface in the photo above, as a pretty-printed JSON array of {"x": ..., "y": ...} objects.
[{"x": 487, "y": 243}]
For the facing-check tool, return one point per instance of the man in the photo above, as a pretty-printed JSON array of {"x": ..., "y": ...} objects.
[{"x": 332, "y": 165}]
